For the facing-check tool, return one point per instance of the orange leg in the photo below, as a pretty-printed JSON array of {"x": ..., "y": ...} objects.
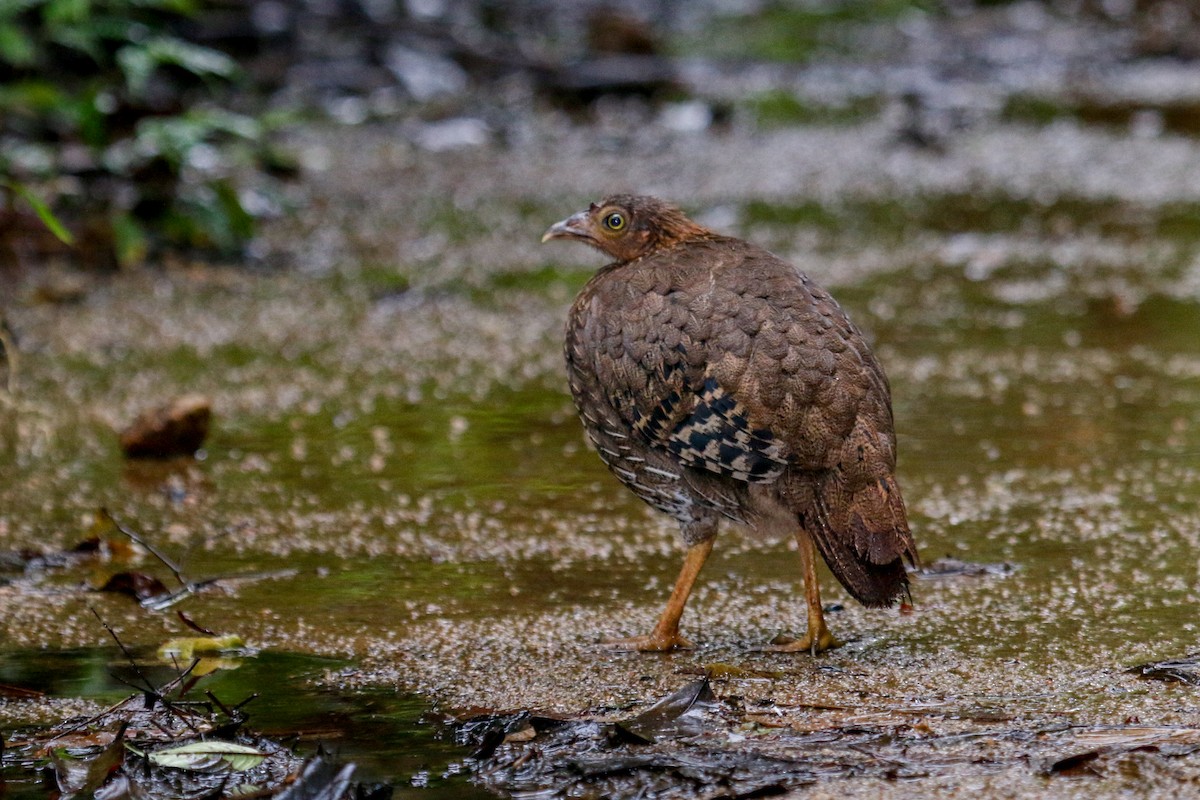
[
  {"x": 665, "y": 635},
  {"x": 818, "y": 638}
]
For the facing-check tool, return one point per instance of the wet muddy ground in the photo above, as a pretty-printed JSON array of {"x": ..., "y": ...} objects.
[{"x": 397, "y": 469}]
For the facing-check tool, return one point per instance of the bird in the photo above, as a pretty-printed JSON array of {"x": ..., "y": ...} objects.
[{"x": 719, "y": 382}]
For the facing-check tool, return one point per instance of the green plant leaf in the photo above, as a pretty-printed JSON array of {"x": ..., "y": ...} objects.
[
  {"x": 34, "y": 96},
  {"x": 42, "y": 210},
  {"x": 137, "y": 64},
  {"x": 209, "y": 757},
  {"x": 16, "y": 46},
  {"x": 238, "y": 221},
  {"x": 130, "y": 243},
  {"x": 173, "y": 138},
  {"x": 139, "y": 61},
  {"x": 67, "y": 11},
  {"x": 10, "y": 9}
]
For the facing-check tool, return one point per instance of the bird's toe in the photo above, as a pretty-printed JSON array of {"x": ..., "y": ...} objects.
[
  {"x": 649, "y": 643},
  {"x": 812, "y": 644}
]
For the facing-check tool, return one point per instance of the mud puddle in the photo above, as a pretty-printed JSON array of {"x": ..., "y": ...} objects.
[{"x": 395, "y": 742}]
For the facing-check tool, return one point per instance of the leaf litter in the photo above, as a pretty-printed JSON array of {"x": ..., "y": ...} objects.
[
  {"x": 694, "y": 743},
  {"x": 111, "y": 541},
  {"x": 1182, "y": 670},
  {"x": 169, "y": 741}
]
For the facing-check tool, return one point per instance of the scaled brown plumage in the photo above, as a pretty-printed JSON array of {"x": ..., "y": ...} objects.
[{"x": 716, "y": 380}]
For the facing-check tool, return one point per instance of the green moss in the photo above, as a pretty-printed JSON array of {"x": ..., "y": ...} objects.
[
  {"x": 1178, "y": 117},
  {"x": 1035, "y": 110},
  {"x": 380, "y": 279},
  {"x": 781, "y": 108},
  {"x": 460, "y": 225},
  {"x": 785, "y": 32},
  {"x": 539, "y": 280},
  {"x": 810, "y": 214}
]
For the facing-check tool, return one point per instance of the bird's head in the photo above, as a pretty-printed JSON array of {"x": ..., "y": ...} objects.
[{"x": 627, "y": 227}]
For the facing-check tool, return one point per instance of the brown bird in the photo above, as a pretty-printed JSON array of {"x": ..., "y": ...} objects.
[{"x": 717, "y": 380}]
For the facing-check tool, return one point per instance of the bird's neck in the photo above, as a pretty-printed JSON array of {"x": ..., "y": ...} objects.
[{"x": 671, "y": 229}]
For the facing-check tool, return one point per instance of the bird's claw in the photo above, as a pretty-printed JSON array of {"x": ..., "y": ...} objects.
[
  {"x": 811, "y": 644},
  {"x": 649, "y": 643}
]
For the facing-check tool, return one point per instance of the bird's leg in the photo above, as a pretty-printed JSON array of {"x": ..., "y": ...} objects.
[
  {"x": 665, "y": 635},
  {"x": 818, "y": 638}
]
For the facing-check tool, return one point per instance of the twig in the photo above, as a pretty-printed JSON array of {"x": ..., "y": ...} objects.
[
  {"x": 91, "y": 720},
  {"x": 136, "y": 539},
  {"x": 253, "y": 696},
  {"x": 191, "y": 623},
  {"x": 149, "y": 687},
  {"x": 148, "y": 690}
]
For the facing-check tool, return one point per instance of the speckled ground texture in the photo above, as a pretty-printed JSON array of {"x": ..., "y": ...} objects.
[{"x": 391, "y": 422}]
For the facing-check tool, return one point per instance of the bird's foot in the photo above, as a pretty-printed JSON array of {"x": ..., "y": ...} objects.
[
  {"x": 822, "y": 641},
  {"x": 649, "y": 643}
]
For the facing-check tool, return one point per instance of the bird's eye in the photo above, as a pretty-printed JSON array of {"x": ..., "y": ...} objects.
[{"x": 615, "y": 221}]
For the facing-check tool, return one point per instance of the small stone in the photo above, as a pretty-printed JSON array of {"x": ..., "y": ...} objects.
[
  {"x": 176, "y": 428},
  {"x": 426, "y": 76},
  {"x": 452, "y": 134}
]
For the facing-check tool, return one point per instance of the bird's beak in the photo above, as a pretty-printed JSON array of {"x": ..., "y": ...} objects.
[{"x": 575, "y": 226}]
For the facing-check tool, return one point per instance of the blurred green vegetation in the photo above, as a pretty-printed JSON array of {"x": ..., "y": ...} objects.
[
  {"x": 114, "y": 123},
  {"x": 778, "y": 108},
  {"x": 790, "y": 32},
  {"x": 887, "y": 220},
  {"x": 1180, "y": 116}
]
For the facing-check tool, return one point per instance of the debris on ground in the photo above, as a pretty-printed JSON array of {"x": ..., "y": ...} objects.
[{"x": 176, "y": 428}]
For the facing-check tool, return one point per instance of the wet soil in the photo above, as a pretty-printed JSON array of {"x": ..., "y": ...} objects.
[{"x": 390, "y": 424}]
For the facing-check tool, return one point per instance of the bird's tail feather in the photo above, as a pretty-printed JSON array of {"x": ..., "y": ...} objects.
[{"x": 864, "y": 538}]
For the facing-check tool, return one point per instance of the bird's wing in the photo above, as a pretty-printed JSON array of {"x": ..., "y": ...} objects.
[
  {"x": 736, "y": 364},
  {"x": 705, "y": 427}
]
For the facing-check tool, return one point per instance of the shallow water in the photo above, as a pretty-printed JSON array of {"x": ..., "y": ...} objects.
[
  {"x": 468, "y": 546},
  {"x": 389, "y": 736}
]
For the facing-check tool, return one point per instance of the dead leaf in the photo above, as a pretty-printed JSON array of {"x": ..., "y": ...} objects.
[
  {"x": 138, "y": 585},
  {"x": 319, "y": 780},
  {"x": 84, "y": 775},
  {"x": 673, "y": 715},
  {"x": 208, "y": 757},
  {"x": 1106, "y": 741},
  {"x": 186, "y": 648},
  {"x": 1183, "y": 670},
  {"x": 175, "y": 428}
]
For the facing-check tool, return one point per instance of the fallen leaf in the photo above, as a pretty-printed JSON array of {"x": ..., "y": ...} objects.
[
  {"x": 667, "y": 715},
  {"x": 208, "y": 757},
  {"x": 175, "y": 428},
  {"x": 187, "y": 648},
  {"x": 319, "y": 780},
  {"x": 80, "y": 775},
  {"x": 1183, "y": 670},
  {"x": 1114, "y": 740},
  {"x": 138, "y": 585}
]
